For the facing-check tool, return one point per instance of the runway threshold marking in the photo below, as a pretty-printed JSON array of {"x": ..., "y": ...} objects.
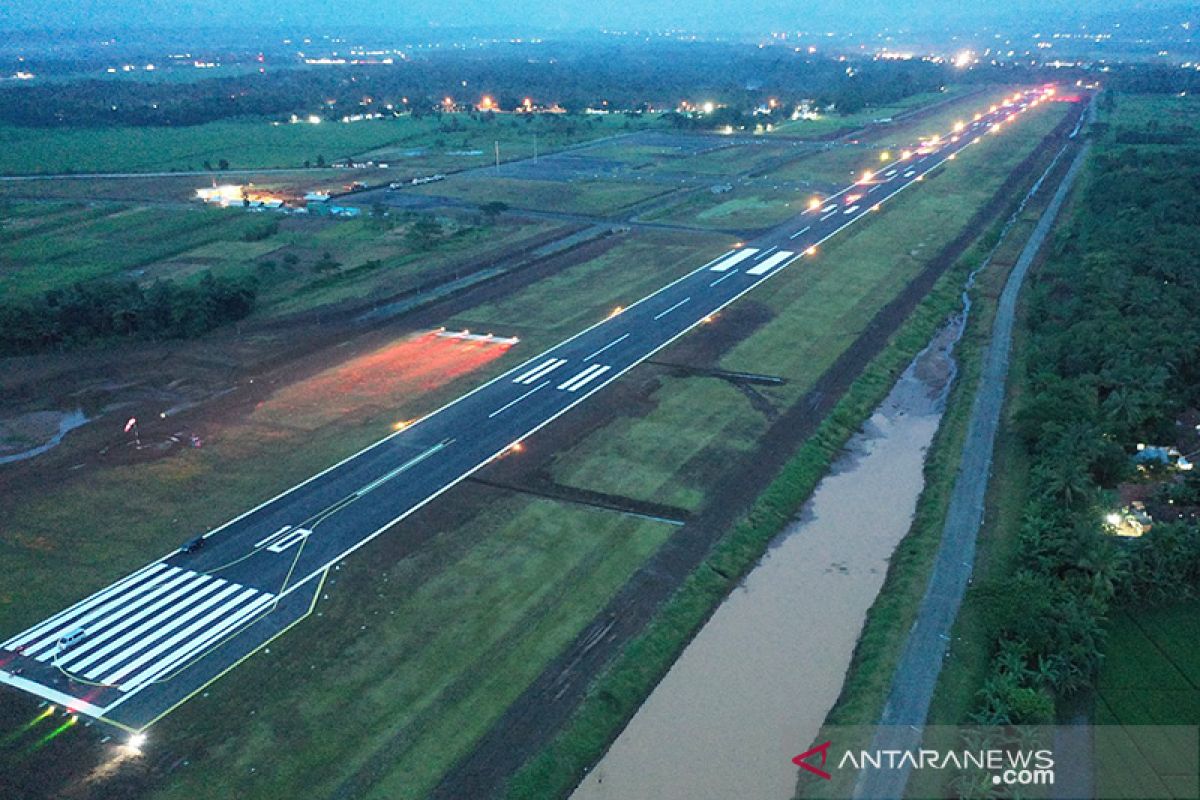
[
  {"x": 770, "y": 263},
  {"x": 734, "y": 260},
  {"x": 613, "y": 343},
  {"x": 541, "y": 370},
  {"x": 682, "y": 302},
  {"x": 584, "y": 378},
  {"x": 512, "y": 403}
]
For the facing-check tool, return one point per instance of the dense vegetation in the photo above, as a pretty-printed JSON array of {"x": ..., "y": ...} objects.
[
  {"x": 85, "y": 313},
  {"x": 573, "y": 76},
  {"x": 1114, "y": 347}
]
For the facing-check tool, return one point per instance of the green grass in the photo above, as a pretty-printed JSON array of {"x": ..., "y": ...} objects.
[
  {"x": 849, "y": 271},
  {"x": 676, "y": 453},
  {"x": 672, "y": 455},
  {"x": 258, "y": 143},
  {"x": 1151, "y": 676},
  {"x": 834, "y": 123},
  {"x": 453, "y": 634},
  {"x": 583, "y": 196},
  {"x": 72, "y": 244},
  {"x": 618, "y": 692},
  {"x": 52, "y": 245},
  {"x": 574, "y": 298}
]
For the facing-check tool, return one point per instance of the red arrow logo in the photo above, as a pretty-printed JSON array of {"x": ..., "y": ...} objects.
[{"x": 823, "y": 749}]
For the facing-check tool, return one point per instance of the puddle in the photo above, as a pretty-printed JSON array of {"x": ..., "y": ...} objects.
[
  {"x": 35, "y": 423},
  {"x": 753, "y": 688}
]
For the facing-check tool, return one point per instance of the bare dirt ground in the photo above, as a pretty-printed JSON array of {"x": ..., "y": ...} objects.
[{"x": 178, "y": 389}]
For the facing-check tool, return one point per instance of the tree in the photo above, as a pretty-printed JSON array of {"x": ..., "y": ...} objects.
[
  {"x": 493, "y": 209},
  {"x": 326, "y": 263},
  {"x": 423, "y": 233}
]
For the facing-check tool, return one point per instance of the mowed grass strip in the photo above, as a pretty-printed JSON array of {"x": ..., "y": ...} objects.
[
  {"x": 409, "y": 661},
  {"x": 575, "y": 196},
  {"x": 820, "y": 306},
  {"x": 575, "y": 298},
  {"x": 828, "y": 124}
]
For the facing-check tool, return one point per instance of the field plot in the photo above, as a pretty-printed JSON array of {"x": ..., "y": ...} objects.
[
  {"x": 555, "y": 308},
  {"x": 833, "y": 124},
  {"x": 583, "y": 197},
  {"x": 1150, "y": 677},
  {"x": 744, "y": 208},
  {"x": 168, "y": 188},
  {"x": 428, "y": 143},
  {"x": 298, "y": 263},
  {"x": 46, "y": 246}
]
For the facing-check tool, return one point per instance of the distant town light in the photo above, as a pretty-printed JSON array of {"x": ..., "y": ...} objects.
[{"x": 709, "y": 107}]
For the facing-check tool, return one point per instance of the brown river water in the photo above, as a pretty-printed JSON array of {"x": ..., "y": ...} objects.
[{"x": 753, "y": 688}]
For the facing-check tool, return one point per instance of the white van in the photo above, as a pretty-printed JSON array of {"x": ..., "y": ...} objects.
[{"x": 71, "y": 639}]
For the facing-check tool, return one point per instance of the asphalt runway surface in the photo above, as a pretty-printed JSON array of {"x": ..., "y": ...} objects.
[{"x": 133, "y": 651}]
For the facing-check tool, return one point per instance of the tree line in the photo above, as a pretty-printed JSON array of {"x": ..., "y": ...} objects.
[
  {"x": 572, "y": 75},
  {"x": 1114, "y": 358},
  {"x": 95, "y": 311}
]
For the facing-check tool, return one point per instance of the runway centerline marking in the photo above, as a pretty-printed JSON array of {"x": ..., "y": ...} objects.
[
  {"x": 800, "y": 232},
  {"x": 723, "y": 277},
  {"x": 613, "y": 343},
  {"x": 512, "y": 403},
  {"x": 682, "y": 302},
  {"x": 412, "y": 462}
]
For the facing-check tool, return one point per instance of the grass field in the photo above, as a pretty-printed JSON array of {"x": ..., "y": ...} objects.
[
  {"x": 452, "y": 636},
  {"x": 1151, "y": 676},
  {"x": 50, "y": 246},
  {"x": 416, "y": 144},
  {"x": 575, "y": 298},
  {"x": 582, "y": 196},
  {"x": 833, "y": 123},
  {"x": 818, "y": 307},
  {"x": 745, "y": 208},
  {"x": 47, "y": 246},
  {"x": 454, "y": 632}
]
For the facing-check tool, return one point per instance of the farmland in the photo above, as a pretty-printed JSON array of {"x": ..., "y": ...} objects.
[
  {"x": 436, "y": 635},
  {"x": 442, "y": 142}
]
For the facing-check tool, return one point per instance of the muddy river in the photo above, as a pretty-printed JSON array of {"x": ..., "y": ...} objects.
[{"x": 754, "y": 686}]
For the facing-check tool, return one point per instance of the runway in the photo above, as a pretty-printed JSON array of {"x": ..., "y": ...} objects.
[{"x": 160, "y": 635}]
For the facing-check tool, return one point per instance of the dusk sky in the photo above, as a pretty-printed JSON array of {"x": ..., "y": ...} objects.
[{"x": 708, "y": 15}]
